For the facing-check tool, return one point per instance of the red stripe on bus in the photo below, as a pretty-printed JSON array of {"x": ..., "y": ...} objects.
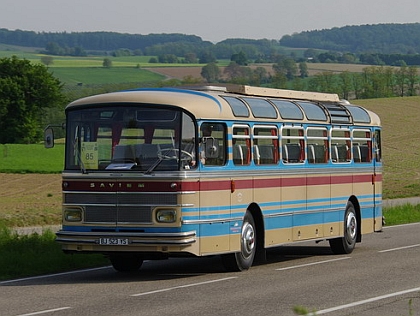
[{"x": 177, "y": 186}]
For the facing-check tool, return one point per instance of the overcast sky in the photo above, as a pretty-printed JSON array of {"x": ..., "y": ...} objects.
[{"x": 214, "y": 20}]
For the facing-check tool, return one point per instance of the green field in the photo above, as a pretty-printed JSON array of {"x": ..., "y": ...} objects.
[
  {"x": 32, "y": 158},
  {"x": 89, "y": 70},
  {"x": 101, "y": 75}
]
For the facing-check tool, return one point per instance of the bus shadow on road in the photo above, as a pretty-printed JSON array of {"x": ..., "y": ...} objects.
[
  {"x": 288, "y": 253},
  {"x": 173, "y": 268}
]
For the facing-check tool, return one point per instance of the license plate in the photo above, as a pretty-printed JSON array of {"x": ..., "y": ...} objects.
[{"x": 113, "y": 241}]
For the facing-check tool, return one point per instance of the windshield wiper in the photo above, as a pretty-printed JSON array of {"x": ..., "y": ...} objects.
[{"x": 154, "y": 165}]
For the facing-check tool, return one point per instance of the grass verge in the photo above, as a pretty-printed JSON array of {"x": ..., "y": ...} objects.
[
  {"x": 403, "y": 214},
  {"x": 35, "y": 254}
]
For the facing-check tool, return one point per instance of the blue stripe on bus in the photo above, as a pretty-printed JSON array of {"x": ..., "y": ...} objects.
[
  {"x": 201, "y": 94},
  {"x": 280, "y": 209}
]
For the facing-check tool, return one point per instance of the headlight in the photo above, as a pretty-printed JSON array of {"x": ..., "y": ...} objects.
[
  {"x": 166, "y": 216},
  {"x": 73, "y": 215}
]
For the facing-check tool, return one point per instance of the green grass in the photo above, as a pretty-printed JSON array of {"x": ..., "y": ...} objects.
[
  {"x": 403, "y": 214},
  {"x": 30, "y": 255},
  {"x": 33, "y": 158},
  {"x": 101, "y": 75}
]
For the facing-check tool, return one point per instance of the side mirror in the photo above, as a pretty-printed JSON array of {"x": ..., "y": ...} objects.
[{"x": 48, "y": 137}]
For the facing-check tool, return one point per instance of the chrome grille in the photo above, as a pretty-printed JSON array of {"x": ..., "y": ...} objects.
[
  {"x": 119, "y": 207},
  {"x": 89, "y": 198},
  {"x": 112, "y": 214},
  {"x": 95, "y": 214},
  {"x": 139, "y": 214}
]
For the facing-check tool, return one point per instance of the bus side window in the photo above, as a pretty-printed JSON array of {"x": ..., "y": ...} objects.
[
  {"x": 265, "y": 145},
  {"x": 362, "y": 145},
  {"x": 241, "y": 145},
  {"x": 340, "y": 145},
  {"x": 317, "y": 139},
  {"x": 377, "y": 146},
  {"x": 213, "y": 144},
  {"x": 293, "y": 145}
]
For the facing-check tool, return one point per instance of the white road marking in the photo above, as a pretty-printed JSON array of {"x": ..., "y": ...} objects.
[
  {"x": 370, "y": 300},
  {"x": 312, "y": 263},
  {"x": 183, "y": 286},
  {"x": 46, "y": 311},
  {"x": 400, "y": 248},
  {"x": 52, "y": 275}
]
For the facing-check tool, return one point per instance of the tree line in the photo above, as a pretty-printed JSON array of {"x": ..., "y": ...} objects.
[
  {"x": 372, "y": 82},
  {"x": 379, "y": 38},
  {"x": 381, "y": 44}
]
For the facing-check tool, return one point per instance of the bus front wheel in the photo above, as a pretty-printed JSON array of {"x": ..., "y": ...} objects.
[
  {"x": 126, "y": 263},
  {"x": 243, "y": 260},
  {"x": 346, "y": 244}
]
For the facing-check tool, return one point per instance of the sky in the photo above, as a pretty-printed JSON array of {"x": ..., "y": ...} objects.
[{"x": 213, "y": 21}]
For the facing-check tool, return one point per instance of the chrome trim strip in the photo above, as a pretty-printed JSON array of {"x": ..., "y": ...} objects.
[
  {"x": 278, "y": 215},
  {"x": 210, "y": 221},
  {"x": 184, "y": 238},
  {"x": 192, "y": 233}
]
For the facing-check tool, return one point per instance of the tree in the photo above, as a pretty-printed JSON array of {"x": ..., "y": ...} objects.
[
  {"x": 412, "y": 80},
  {"x": 190, "y": 58},
  {"x": 401, "y": 79},
  {"x": 240, "y": 58},
  {"x": 107, "y": 63},
  {"x": 287, "y": 67},
  {"x": 207, "y": 57},
  {"x": 47, "y": 60},
  {"x": 26, "y": 92},
  {"x": 345, "y": 84},
  {"x": 210, "y": 72},
  {"x": 233, "y": 70},
  {"x": 303, "y": 70}
]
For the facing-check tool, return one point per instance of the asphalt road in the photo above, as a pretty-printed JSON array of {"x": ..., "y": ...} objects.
[{"x": 381, "y": 277}]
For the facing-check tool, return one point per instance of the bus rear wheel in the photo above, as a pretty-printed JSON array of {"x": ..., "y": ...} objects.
[
  {"x": 243, "y": 260},
  {"x": 126, "y": 263},
  {"x": 346, "y": 244}
]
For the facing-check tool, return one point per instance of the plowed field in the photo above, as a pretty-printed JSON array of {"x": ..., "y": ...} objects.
[{"x": 30, "y": 199}]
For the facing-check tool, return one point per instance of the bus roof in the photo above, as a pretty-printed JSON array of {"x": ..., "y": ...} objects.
[{"x": 215, "y": 102}]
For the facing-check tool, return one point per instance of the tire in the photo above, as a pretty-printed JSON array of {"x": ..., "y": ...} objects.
[
  {"x": 347, "y": 243},
  {"x": 126, "y": 263},
  {"x": 243, "y": 260}
]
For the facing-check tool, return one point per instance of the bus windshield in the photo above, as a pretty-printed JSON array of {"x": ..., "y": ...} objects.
[{"x": 121, "y": 137}]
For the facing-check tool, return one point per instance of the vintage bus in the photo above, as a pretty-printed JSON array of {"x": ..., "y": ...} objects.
[{"x": 211, "y": 170}]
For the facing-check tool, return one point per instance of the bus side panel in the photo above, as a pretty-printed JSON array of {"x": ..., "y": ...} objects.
[
  {"x": 378, "y": 202},
  {"x": 241, "y": 195},
  {"x": 214, "y": 216},
  {"x": 363, "y": 189},
  {"x": 319, "y": 201},
  {"x": 341, "y": 190},
  {"x": 278, "y": 219}
]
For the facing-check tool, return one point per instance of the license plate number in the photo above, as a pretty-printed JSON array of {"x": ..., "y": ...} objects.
[{"x": 113, "y": 241}]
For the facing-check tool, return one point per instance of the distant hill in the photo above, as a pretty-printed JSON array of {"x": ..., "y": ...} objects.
[
  {"x": 371, "y": 39},
  {"x": 104, "y": 41},
  {"x": 379, "y": 38}
]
